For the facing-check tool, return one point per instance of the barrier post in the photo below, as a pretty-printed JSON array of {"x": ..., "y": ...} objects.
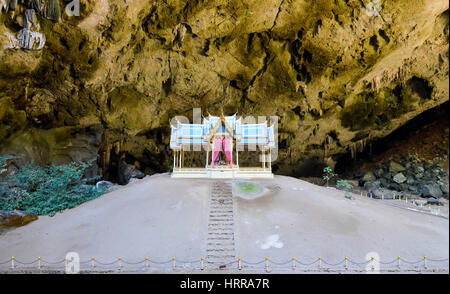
[
  {"x": 425, "y": 262},
  {"x": 120, "y": 262},
  {"x": 320, "y": 262},
  {"x": 346, "y": 262},
  {"x": 12, "y": 262},
  {"x": 267, "y": 264},
  {"x": 39, "y": 262},
  {"x": 373, "y": 266},
  {"x": 93, "y": 262},
  {"x": 398, "y": 261},
  {"x": 202, "y": 264},
  {"x": 293, "y": 263},
  {"x": 239, "y": 263},
  {"x": 147, "y": 265},
  {"x": 174, "y": 262}
]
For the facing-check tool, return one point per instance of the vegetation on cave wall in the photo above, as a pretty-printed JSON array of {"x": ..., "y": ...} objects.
[{"x": 327, "y": 68}]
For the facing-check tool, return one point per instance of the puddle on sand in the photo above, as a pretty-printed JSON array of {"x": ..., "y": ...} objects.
[{"x": 248, "y": 190}]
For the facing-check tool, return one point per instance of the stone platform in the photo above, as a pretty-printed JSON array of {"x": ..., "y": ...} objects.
[{"x": 221, "y": 172}]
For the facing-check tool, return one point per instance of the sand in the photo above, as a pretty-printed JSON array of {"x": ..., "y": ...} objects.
[{"x": 160, "y": 217}]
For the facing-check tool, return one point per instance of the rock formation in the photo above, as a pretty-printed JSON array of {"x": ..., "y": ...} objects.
[{"x": 337, "y": 76}]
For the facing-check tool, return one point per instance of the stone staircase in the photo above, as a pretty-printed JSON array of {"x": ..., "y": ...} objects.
[{"x": 220, "y": 247}]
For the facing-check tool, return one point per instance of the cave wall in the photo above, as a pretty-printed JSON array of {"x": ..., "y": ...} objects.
[{"x": 335, "y": 75}]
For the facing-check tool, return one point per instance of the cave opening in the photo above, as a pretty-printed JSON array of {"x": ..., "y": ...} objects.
[
  {"x": 434, "y": 119},
  {"x": 421, "y": 87}
]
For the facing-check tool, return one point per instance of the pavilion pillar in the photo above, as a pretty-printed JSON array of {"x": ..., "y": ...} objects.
[
  {"x": 179, "y": 159},
  {"x": 237, "y": 157},
  {"x": 264, "y": 160},
  {"x": 174, "y": 158},
  {"x": 270, "y": 159},
  {"x": 231, "y": 151},
  {"x": 207, "y": 158}
]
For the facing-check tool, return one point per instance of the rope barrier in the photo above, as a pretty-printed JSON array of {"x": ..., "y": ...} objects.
[
  {"x": 253, "y": 263},
  {"x": 24, "y": 263},
  {"x": 58, "y": 262},
  {"x": 379, "y": 261},
  {"x": 109, "y": 263},
  {"x": 291, "y": 264},
  {"x": 334, "y": 264},
  {"x": 280, "y": 263},
  {"x": 307, "y": 264},
  {"x": 412, "y": 262},
  {"x": 194, "y": 261},
  {"x": 133, "y": 263}
]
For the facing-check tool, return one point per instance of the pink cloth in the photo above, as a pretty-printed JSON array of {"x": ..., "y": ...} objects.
[
  {"x": 217, "y": 149},
  {"x": 227, "y": 148},
  {"x": 218, "y": 143}
]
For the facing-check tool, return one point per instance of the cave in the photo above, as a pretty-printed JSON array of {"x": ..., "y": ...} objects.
[
  {"x": 435, "y": 119},
  {"x": 421, "y": 87}
]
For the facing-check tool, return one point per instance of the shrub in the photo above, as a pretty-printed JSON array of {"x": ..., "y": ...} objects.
[
  {"x": 346, "y": 186},
  {"x": 47, "y": 190},
  {"x": 328, "y": 174}
]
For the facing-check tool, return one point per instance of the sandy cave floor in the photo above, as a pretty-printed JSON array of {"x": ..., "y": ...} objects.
[{"x": 160, "y": 217}]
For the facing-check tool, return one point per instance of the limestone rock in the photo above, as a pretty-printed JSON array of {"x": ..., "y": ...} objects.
[
  {"x": 434, "y": 201},
  {"x": 127, "y": 172},
  {"x": 399, "y": 178},
  {"x": 381, "y": 194},
  {"x": 431, "y": 190},
  {"x": 326, "y": 69},
  {"x": 105, "y": 186},
  {"x": 16, "y": 218},
  {"x": 372, "y": 185},
  {"x": 444, "y": 188},
  {"x": 369, "y": 177},
  {"x": 395, "y": 167}
]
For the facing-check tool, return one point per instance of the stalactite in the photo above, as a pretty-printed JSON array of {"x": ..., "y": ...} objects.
[
  {"x": 359, "y": 146},
  {"x": 326, "y": 146},
  {"x": 117, "y": 147}
]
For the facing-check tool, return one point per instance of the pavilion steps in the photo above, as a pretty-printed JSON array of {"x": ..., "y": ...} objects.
[{"x": 220, "y": 244}]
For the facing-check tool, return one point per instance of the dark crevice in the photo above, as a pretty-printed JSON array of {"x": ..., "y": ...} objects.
[
  {"x": 383, "y": 35},
  {"x": 421, "y": 87},
  {"x": 381, "y": 145}
]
